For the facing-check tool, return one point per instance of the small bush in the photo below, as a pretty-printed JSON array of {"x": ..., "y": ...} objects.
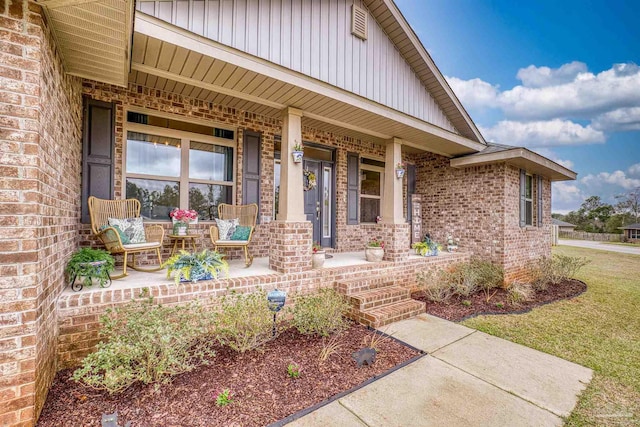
[
  {"x": 435, "y": 285},
  {"x": 320, "y": 313},
  {"x": 245, "y": 321},
  {"x": 519, "y": 292},
  {"x": 330, "y": 347},
  {"x": 293, "y": 370},
  {"x": 224, "y": 398},
  {"x": 555, "y": 270},
  {"x": 148, "y": 343}
]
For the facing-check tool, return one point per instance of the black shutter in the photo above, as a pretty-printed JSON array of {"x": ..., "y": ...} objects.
[
  {"x": 539, "y": 204},
  {"x": 411, "y": 188},
  {"x": 523, "y": 207},
  {"x": 353, "y": 190},
  {"x": 98, "y": 136},
  {"x": 251, "y": 155}
]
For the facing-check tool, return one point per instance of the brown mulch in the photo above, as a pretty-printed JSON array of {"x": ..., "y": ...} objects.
[
  {"x": 262, "y": 392},
  {"x": 456, "y": 311}
]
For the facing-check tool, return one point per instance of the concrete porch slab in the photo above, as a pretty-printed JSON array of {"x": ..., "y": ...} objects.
[
  {"x": 430, "y": 392},
  {"x": 428, "y": 333},
  {"x": 545, "y": 380}
]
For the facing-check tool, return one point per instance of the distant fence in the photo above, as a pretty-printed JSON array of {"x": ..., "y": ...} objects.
[{"x": 583, "y": 235}]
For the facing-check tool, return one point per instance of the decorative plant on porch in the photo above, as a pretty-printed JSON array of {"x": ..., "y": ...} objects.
[
  {"x": 427, "y": 247},
  {"x": 181, "y": 220},
  {"x": 297, "y": 152},
  {"x": 374, "y": 251},
  {"x": 203, "y": 265},
  {"x": 400, "y": 169},
  {"x": 90, "y": 263},
  {"x": 317, "y": 255}
]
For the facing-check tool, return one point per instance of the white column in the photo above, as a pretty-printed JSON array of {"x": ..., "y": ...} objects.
[
  {"x": 291, "y": 205},
  {"x": 392, "y": 212}
]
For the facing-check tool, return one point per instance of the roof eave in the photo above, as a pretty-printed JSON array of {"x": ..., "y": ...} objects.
[{"x": 522, "y": 158}]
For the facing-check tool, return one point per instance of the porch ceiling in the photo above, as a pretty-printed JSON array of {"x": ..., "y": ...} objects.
[
  {"x": 172, "y": 59},
  {"x": 93, "y": 37}
]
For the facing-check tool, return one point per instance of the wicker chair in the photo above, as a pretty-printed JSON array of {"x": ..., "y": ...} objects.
[
  {"x": 101, "y": 210},
  {"x": 247, "y": 215}
]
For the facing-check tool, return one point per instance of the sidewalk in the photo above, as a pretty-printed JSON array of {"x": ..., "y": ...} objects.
[
  {"x": 468, "y": 378},
  {"x": 600, "y": 246}
]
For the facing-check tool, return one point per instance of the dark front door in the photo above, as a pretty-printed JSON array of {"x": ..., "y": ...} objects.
[{"x": 318, "y": 201}]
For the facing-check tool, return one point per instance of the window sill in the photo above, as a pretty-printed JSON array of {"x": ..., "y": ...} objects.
[{"x": 529, "y": 228}]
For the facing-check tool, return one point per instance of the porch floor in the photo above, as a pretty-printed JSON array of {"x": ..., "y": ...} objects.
[{"x": 237, "y": 269}]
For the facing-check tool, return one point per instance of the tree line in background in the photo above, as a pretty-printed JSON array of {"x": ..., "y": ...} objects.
[{"x": 595, "y": 216}]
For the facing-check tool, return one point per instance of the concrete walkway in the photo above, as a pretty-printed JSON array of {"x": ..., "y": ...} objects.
[
  {"x": 468, "y": 379},
  {"x": 600, "y": 246}
]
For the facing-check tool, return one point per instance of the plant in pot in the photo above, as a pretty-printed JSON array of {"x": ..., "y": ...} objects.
[
  {"x": 317, "y": 255},
  {"x": 428, "y": 247},
  {"x": 90, "y": 264},
  {"x": 452, "y": 244},
  {"x": 374, "y": 251},
  {"x": 400, "y": 169},
  {"x": 191, "y": 267},
  {"x": 297, "y": 152},
  {"x": 181, "y": 219}
]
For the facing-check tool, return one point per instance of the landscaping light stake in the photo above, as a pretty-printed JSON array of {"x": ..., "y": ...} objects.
[{"x": 276, "y": 300}]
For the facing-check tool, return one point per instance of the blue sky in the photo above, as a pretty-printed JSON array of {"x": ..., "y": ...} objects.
[{"x": 559, "y": 77}]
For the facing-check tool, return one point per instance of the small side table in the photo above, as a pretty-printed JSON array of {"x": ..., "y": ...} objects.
[{"x": 189, "y": 237}]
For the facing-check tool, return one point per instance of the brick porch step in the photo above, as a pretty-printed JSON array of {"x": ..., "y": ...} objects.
[
  {"x": 355, "y": 286},
  {"x": 368, "y": 299},
  {"x": 384, "y": 315}
]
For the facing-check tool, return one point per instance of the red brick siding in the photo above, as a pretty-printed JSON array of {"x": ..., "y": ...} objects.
[{"x": 39, "y": 204}]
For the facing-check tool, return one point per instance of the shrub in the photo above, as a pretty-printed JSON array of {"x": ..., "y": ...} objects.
[
  {"x": 555, "y": 270},
  {"x": 330, "y": 347},
  {"x": 148, "y": 343},
  {"x": 435, "y": 285},
  {"x": 320, "y": 313},
  {"x": 462, "y": 279},
  {"x": 245, "y": 321},
  {"x": 519, "y": 292},
  {"x": 487, "y": 276}
]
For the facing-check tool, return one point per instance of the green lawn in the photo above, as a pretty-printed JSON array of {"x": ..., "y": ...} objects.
[{"x": 600, "y": 330}]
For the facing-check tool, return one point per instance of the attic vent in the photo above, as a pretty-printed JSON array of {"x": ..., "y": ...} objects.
[{"x": 359, "y": 18}]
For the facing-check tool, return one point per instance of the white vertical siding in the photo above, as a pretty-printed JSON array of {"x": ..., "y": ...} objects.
[{"x": 312, "y": 37}]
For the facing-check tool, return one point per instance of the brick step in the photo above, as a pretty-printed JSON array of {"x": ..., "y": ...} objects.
[
  {"x": 378, "y": 297},
  {"x": 384, "y": 315},
  {"x": 354, "y": 286}
]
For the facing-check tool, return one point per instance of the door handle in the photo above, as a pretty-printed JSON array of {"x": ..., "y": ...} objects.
[{"x": 318, "y": 210}]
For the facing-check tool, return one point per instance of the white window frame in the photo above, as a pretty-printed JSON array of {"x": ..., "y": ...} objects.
[
  {"x": 185, "y": 138},
  {"x": 364, "y": 166},
  {"x": 529, "y": 200}
]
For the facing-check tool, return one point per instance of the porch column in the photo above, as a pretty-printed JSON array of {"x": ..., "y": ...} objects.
[
  {"x": 290, "y": 206},
  {"x": 291, "y": 233},
  {"x": 395, "y": 229}
]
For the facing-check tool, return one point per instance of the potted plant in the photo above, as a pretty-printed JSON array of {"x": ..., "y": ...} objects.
[
  {"x": 427, "y": 247},
  {"x": 374, "y": 251},
  {"x": 90, "y": 264},
  {"x": 181, "y": 219},
  {"x": 400, "y": 170},
  {"x": 452, "y": 244},
  {"x": 187, "y": 267},
  {"x": 317, "y": 255},
  {"x": 297, "y": 152}
]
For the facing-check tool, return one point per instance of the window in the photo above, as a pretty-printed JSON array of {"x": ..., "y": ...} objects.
[
  {"x": 371, "y": 184},
  {"x": 167, "y": 168},
  {"x": 528, "y": 200},
  {"x": 634, "y": 234}
]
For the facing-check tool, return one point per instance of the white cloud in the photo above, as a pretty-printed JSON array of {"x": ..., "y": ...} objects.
[
  {"x": 634, "y": 170},
  {"x": 542, "y": 133},
  {"x": 622, "y": 119},
  {"x": 569, "y": 91},
  {"x": 565, "y": 193},
  {"x": 617, "y": 178},
  {"x": 553, "y": 156},
  {"x": 474, "y": 93},
  {"x": 533, "y": 76}
]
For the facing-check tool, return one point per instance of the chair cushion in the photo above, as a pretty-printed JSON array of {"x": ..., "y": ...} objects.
[
  {"x": 226, "y": 227},
  {"x": 132, "y": 227},
  {"x": 123, "y": 237},
  {"x": 241, "y": 233},
  {"x": 231, "y": 242},
  {"x": 133, "y": 246}
]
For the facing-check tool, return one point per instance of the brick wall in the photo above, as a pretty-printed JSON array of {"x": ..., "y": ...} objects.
[
  {"x": 348, "y": 237},
  {"x": 480, "y": 205},
  {"x": 39, "y": 204}
]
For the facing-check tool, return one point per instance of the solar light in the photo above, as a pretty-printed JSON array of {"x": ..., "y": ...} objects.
[{"x": 276, "y": 300}]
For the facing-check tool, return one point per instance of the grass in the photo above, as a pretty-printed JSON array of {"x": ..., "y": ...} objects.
[{"x": 599, "y": 329}]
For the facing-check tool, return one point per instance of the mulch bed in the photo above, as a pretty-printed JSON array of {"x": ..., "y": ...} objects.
[
  {"x": 456, "y": 311},
  {"x": 262, "y": 392}
]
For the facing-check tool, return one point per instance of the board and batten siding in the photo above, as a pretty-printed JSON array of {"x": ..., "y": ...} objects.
[{"x": 312, "y": 37}]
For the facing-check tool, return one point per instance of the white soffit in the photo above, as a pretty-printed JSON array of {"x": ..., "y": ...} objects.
[{"x": 93, "y": 37}]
